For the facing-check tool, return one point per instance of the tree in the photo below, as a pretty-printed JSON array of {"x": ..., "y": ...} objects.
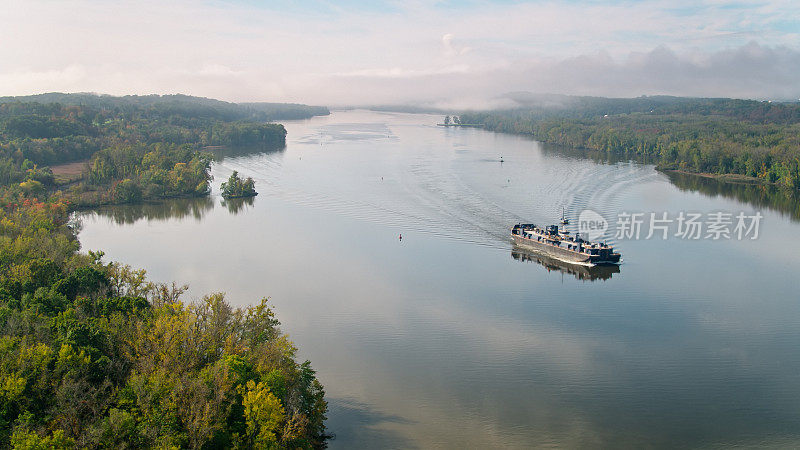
[
  {"x": 235, "y": 187},
  {"x": 263, "y": 413},
  {"x": 127, "y": 191}
]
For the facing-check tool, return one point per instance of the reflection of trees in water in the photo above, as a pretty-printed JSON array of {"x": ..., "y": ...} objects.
[
  {"x": 236, "y": 205},
  {"x": 177, "y": 208},
  {"x": 761, "y": 195},
  {"x": 581, "y": 153},
  {"x": 776, "y": 198},
  {"x": 222, "y": 152},
  {"x": 578, "y": 271}
]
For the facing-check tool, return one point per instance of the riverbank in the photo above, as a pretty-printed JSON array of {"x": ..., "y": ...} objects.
[
  {"x": 89, "y": 364},
  {"x": 724, "y": 177},
  {"x": 699, "y": 135}
]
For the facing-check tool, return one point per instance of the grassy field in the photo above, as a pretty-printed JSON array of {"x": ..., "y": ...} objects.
[{"x": 69, "y": 173}]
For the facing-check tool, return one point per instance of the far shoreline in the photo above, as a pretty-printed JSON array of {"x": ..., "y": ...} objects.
[{"x": 724, "y": 177}]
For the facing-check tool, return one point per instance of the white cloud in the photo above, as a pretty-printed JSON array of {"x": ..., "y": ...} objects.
[
  {"x": 31, "y": 80},
  {"x": 218, "y": 70},
  {"x": 422, "y": 53},
  {"x": 399, "y": 72},
  {"x": 450, "y": 49}
]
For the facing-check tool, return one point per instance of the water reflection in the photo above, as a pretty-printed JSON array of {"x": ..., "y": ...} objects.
[
  {"x": 177, "y": 208},
  {"x": 560, "y": 151},
  {"x": 580, "y": 272},
  {"x": 761, "y": 195},
  {"x": 236, "y": 205},
  {"x": 779, "y": 199},
  {"x": 358, "y": 424},
  {"x": 222, "y": 152}
]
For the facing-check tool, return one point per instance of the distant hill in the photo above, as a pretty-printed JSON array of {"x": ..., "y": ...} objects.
[
  {"x": 179, "y": 104},
  {"x": 286, "y": 111},
  {"x": 53, "y": 129},
  {"x": 555, "y": 105}
]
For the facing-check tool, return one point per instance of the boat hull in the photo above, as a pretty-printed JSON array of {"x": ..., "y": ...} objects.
[{"x": 561, "y": 254}]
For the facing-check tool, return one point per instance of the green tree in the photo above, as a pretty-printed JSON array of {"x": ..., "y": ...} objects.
[
  {"x": 235, "y": 187},
  {"x": 127, "y": 191},
  {"x": 263, "y": 413}
]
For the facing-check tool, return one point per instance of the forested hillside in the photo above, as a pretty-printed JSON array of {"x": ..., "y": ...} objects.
[
  {"x": 132, "y": 152},
  {"x": 286, "y": 111},
  {"x": 92, "y": 354},
  {"x": 178, "y": 104},
  {"x": 718, "y": 136}
]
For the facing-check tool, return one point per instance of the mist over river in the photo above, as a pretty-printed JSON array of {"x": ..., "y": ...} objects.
[{"x": 450, "y": 337}]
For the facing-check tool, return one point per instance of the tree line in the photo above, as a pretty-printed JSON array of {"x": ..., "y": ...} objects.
[
  {"x": 178, "y": 105},
  {"x": 134, "y": 153},
  {"x": 93, "y": 354},
  {"x": 717, "y": 136}
]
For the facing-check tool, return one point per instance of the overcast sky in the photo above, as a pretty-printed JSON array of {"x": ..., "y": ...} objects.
[{"x": 460, "y": 54}]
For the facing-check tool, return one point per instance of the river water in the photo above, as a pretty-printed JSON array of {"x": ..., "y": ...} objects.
[{"x": 450, "y": 337}]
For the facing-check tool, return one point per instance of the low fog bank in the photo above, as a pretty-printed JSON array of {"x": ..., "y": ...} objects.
[{"x": 751, "y": 71}]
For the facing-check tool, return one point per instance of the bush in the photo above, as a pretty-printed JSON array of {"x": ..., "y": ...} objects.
[{"x": 127, "y": 191}]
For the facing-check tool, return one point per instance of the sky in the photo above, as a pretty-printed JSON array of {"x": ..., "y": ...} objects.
[{"x": 464, "y": 54}]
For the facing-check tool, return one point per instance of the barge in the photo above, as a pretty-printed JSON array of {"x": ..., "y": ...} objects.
[{"x": 563, "y": 246}]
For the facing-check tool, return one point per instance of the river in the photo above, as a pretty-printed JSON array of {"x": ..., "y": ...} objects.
[{"x": 452, "y": 338}]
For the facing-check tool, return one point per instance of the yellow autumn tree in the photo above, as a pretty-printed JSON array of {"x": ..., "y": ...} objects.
[{"x": 263, "y": 414}]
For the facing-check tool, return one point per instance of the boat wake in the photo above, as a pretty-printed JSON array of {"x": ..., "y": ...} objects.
[{"x": 441, "y": 188}]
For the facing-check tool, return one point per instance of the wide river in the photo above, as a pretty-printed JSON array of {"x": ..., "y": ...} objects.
[{"x": 452, "y": 338}]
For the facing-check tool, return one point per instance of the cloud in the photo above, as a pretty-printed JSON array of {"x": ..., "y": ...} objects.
[
  {"x": 401, "y": 52},
  {"x": 748, "y": 71},
  {"x": 30, "y": 80},
  {"x": 218, "y": 70},
  {"x": 450, "y": 49},
  {"x": 399, "y": 72}
]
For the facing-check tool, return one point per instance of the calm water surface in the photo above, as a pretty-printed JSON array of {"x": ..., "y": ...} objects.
[{"x": 450, "y": 337}]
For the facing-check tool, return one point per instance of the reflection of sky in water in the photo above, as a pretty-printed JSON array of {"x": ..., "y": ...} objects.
[
  {"x": 444, "y": 339},
  {"x": 347, "y": 132}
]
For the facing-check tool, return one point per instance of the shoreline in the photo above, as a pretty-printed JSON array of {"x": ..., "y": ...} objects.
[{"x": 724, "y": 177}]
